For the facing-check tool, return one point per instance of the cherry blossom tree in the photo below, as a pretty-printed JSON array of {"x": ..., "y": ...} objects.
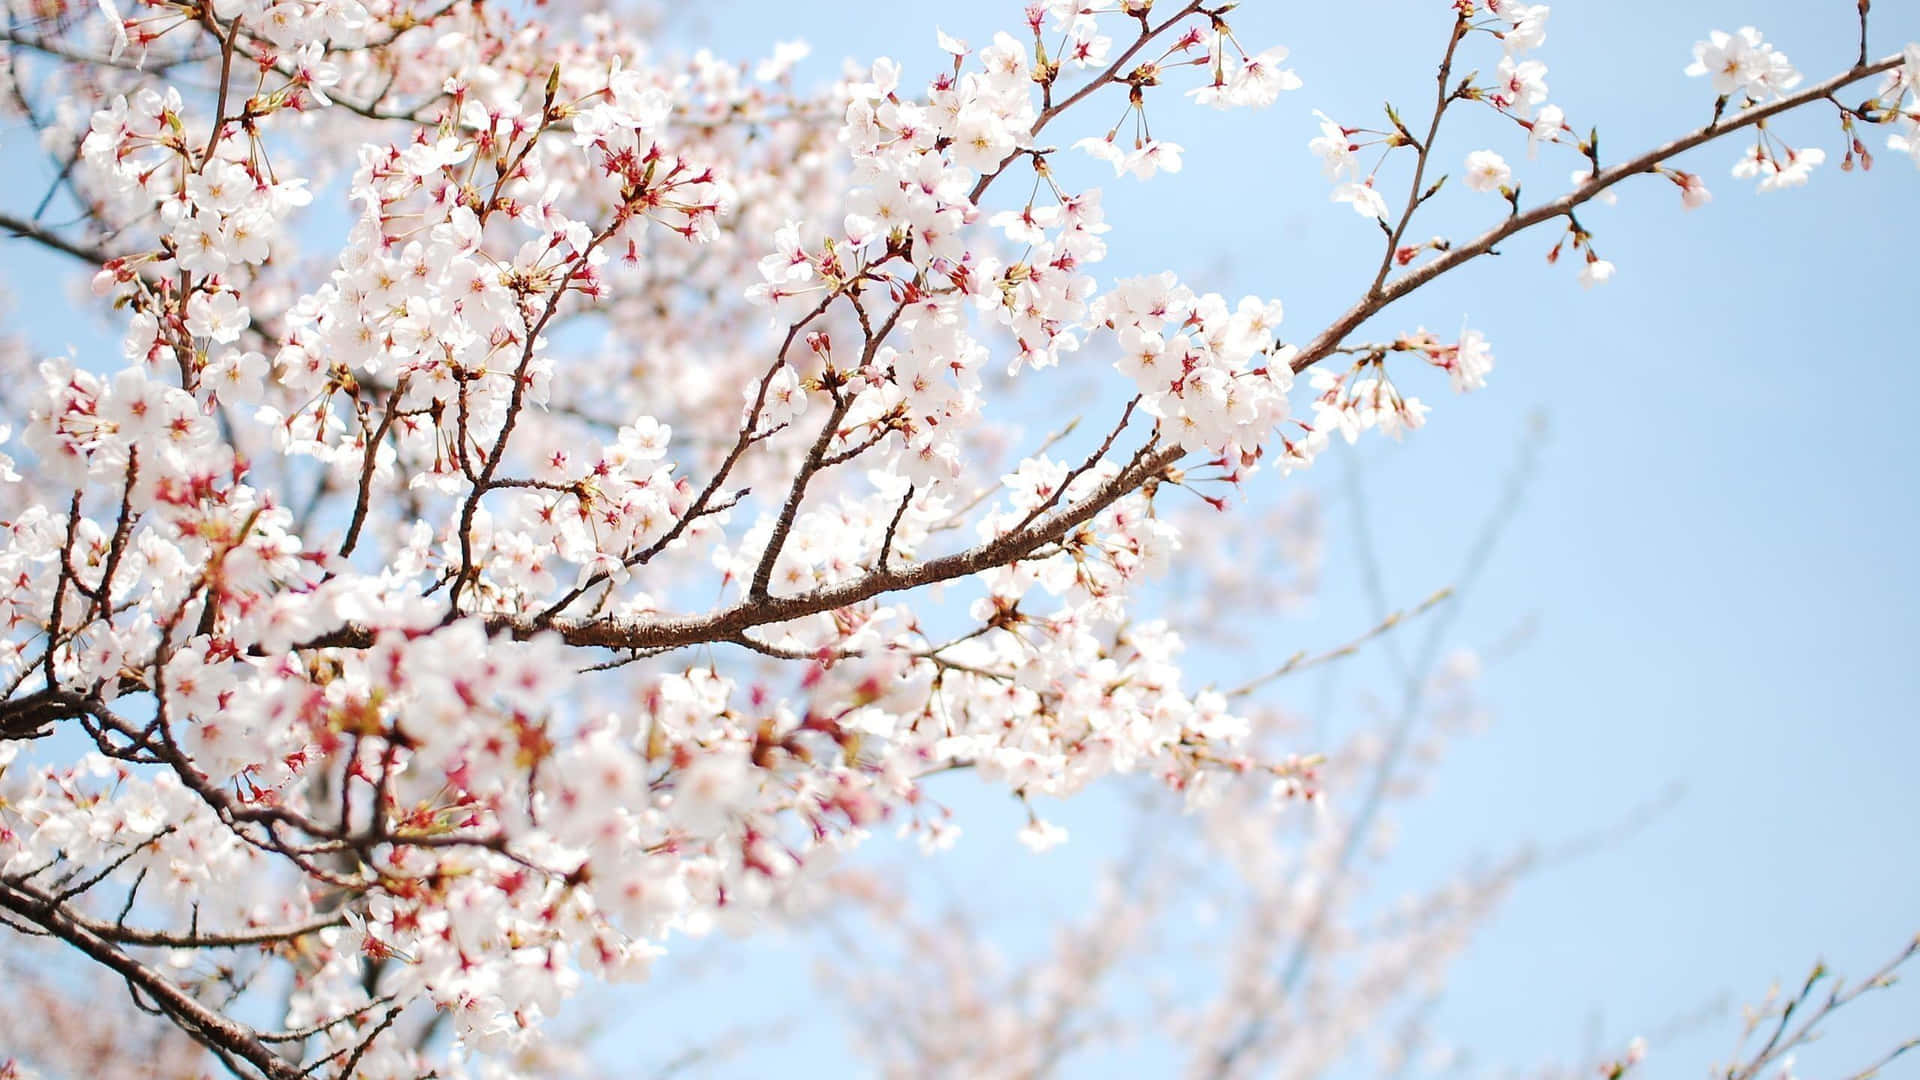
[{"x": 555, "y": 499}]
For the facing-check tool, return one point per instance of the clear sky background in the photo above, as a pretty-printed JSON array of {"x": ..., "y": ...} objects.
[{"x": 1717, "y": 552}]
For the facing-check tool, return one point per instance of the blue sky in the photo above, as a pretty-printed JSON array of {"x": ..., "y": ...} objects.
[{"x": 1716, "y": 552}]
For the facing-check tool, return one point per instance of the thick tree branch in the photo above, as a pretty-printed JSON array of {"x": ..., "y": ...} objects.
[
  {"x": 209, "y": 1028},
  {"x": 727, "y": 623}
]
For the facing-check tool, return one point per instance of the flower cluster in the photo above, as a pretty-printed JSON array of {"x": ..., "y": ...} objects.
[
  {"x": 1210, "y": 373},
  {"x": 1743, "y": 63}
]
